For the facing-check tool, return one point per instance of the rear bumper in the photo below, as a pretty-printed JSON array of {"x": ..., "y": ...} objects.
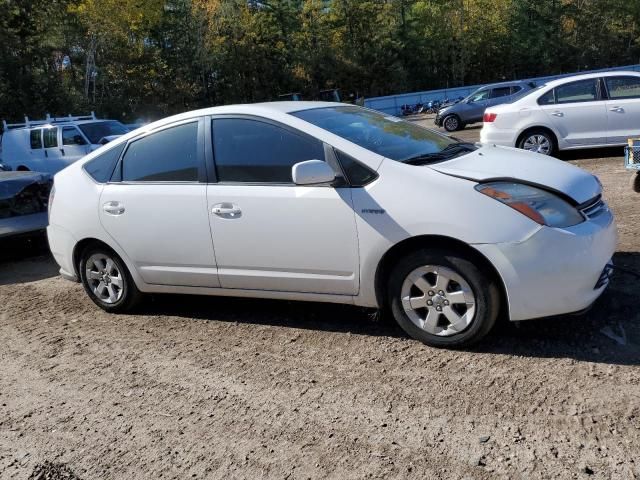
[
  {"x": 495, "y": 136},
  {"x": 556, "y": 271},
  {"x": 62, "y": 243}
]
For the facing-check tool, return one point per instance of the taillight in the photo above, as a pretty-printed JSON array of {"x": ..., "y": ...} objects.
[
  {"x": 489, "y": 117},
  {"x": 52, "y": 194}
]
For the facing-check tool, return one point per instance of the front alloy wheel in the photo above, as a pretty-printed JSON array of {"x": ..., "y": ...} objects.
[
  {"x": 442, "y": 298},
  {"x": 438, "y": 300},
  {"x": 451, "y": 123}
]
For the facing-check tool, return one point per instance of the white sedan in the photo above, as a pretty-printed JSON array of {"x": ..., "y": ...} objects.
[
  {"x": 582, "y": 111},
  {"x": 333, "y": 203}
]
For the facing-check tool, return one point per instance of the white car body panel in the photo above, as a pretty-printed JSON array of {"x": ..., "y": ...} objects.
[
  {"x": 325, "y": 244},
  {"x": 598, "y": 123}
]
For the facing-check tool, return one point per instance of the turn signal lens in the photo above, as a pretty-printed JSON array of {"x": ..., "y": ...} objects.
[
  {"x": 539, "y": 205},
  {"x": 489, "y": 117}
]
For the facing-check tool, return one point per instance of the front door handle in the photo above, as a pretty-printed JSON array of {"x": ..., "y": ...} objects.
[
  {"x": 558, "y": 114},
  {"x": 226, "y": 210},
  {"x": 617, "y": 109},
  {"x": 113, "y": 208}
]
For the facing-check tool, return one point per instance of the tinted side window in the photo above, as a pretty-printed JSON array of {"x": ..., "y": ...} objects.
[
  {"x": 623, "y": 87},
  {"x": 257, "y": 152},
  {"x": 36, "y": 139},
  {"x": 357, "y": 174},
  {"x": 101, "y": 168},
  {"x": 582, "y": 91},
  {"x": 71, "y": 136},
  {"x": 500, "y": 92},
  {"x": 481, "y": 95},
  {"x": 50, "y": 137},
  {"x": 548, "y": 98},
  {"x": 170, "y": 155},
  {"x": 515, "y": 89}
]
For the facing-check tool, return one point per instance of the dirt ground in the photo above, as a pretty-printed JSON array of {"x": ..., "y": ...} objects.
[{"x": 196, "y": 387}]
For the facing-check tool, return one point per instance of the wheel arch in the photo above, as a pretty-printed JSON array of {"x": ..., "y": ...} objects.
[
  {"x": 544, "y": 128},
  {"x": 412, "y": 244}
]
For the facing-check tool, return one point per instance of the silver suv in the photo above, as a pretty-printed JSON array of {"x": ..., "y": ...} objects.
[
  {"x": 470, "y": 110},
  {"x": 51, "y": 144}
]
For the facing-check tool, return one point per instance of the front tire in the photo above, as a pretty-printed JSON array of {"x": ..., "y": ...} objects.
[
  {"x": 107, "y": 280},
  {"x": 442, "y": 298},
  {"x": 451, "y": 123}
]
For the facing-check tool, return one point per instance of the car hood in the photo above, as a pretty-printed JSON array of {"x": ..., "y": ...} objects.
[{"x": 502, "y": 163}]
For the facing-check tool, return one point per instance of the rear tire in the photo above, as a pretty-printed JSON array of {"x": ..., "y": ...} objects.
[
  {"x": 538, "y": 141},
  {"x": 107, "y": 280},
  {"x": 455, "y": 306}
]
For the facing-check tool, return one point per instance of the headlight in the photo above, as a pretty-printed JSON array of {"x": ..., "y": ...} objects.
[{"x": 539, "y": 205}]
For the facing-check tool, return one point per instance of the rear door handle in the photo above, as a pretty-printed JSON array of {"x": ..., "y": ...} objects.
[
  {"x": 558, "y": 114},
  {"x": 617, "y": 109},
  {"x": 113, "y": 208},
  {"x": 226, "y": 210}
]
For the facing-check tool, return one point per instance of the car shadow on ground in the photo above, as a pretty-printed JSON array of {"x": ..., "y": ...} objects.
[
  {"x": 590, "y": 154},
  {"x": 26, "y": 259},
  {"x": 608, "y": 333}
]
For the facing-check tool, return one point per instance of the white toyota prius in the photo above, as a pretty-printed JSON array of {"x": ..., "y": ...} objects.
[{"x": 333, "y": 203}]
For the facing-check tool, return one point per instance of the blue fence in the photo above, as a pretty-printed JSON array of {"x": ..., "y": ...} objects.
[{"x": 392, "y": 103}]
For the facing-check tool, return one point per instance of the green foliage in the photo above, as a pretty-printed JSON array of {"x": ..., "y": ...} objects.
[{"x": 150, "y": 58}]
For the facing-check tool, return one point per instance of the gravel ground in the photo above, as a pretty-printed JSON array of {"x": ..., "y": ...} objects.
[{"x": 195, "y": 387}]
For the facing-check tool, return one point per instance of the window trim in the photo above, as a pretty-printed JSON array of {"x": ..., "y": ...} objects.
[
  {"x": 491, "y": 96},
  {"x": 241, "y": 116},
  {"x": 605, "y": 86},
  {"x": 116, "y": 176}
]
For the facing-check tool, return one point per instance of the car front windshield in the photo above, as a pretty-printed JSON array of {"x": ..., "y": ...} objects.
[
  {"x": 95, "y": 131},
  {"x": 385, "y": 135}
]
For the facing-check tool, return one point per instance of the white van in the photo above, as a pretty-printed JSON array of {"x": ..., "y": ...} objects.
[{"x": 51, "y": 144}]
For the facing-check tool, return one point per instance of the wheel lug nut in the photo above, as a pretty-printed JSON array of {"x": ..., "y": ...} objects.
[
  {"x": 439, "y": 308},
  {"x": 429, "y": 302},
  {"x": 446, "y": 302},
  {"x": 431, "y": 293},
  {"x": 440, "y": 292}
]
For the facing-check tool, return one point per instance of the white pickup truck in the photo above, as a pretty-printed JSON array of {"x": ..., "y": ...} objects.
[{"x": 51, "y": 144}]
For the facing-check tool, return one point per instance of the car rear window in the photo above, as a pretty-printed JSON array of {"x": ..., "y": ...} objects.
[{"x": 101, "y": 167}]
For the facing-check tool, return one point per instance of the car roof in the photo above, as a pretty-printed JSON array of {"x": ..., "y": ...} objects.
[
  {"x": 588, "y": 76},
  {"x": 507, "y": 84}
]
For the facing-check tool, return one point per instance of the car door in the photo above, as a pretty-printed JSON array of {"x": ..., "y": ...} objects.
[
  {"x": 270, "y": 234},
  {"x": 578, "y": 112},
  {"x": 74, "y": 145},
  {"x": 53, "y": 160},
  {"x": 155, "y": 207},
  {"x": 623, "y": 108},
  {"x": 476, "y": 105}
]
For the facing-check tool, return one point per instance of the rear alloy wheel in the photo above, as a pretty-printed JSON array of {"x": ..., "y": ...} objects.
[
  {"x": 107, "y": 281},
  {"x": 451, "y": 123},
  {"x": 442, "y": 299},
  {"x": 537, "y": 141}
]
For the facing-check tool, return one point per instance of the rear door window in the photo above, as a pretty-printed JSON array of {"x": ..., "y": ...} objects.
[
  {"x": 170, "y": 155},
  {"x": 623, "y": 87},
  {"x": 500, "y": 92},
  {"x": 575, "y": 92},
  {"x": 101, "y": 168},
  {"x": 50, "y": 136},
  {"x": 35, "y": 137},
  {"x": 548, "y": 98}
]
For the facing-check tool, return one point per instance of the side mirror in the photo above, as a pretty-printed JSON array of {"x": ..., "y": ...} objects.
[{"x": 312, "y": 172}]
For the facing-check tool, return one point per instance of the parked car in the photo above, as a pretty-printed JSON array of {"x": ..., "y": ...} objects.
[
  {"x": 581, "y": 111},
  {"x": 333, "y": 203},
  {"x": 470, "y": 109},
  {"x": 51, "y": 144},
  {"x": 24, "y": 197}
]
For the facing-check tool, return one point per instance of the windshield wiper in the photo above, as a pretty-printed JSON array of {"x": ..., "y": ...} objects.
[{"x": 448, "y": 152}]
